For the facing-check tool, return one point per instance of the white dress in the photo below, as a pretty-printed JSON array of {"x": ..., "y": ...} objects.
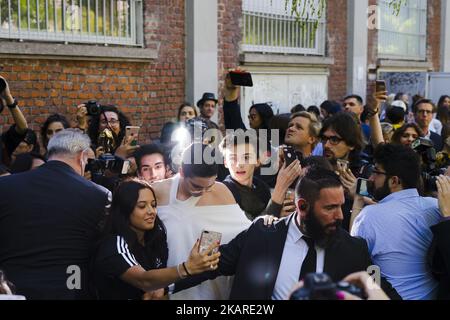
[{"x": 184, "y": 222}]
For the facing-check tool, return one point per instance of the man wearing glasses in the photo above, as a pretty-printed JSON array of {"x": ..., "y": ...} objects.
[
  {"x": 423, "y": 114},
  {"x": 342, "y": 144},
  {"x": 342, "y": 141},
  {"x": 397, "y": 229}
]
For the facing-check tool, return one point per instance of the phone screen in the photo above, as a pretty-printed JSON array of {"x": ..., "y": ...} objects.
[
  {"x": 380, "y": 85},
  {"x": 361, "y": 188},
  {"x": 208, "y": 238},
  {"x": 133, "y": 131}
]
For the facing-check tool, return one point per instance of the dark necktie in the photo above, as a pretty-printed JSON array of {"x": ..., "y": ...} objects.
[{"x": 309, "y": 264}]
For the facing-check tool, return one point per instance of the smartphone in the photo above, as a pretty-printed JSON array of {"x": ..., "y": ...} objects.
[
  {"x": 380, "y": 86},
  {"x": 132, "y": 131},
  {"x": 289, "y": 155},
  {"x": 361, "y": 187},
  {"x": 208, "y": 238},
  {"x": 241, "y": 78},
  {"x": 125, "y": 167},
  {"x": 342, "y": 165}
]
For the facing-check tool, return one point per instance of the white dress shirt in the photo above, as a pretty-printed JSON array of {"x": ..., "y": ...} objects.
[{"x": 294, "y": 252}]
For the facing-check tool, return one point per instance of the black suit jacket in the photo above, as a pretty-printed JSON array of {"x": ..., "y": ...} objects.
[
  {"x": 440, "y": 254},
  {"x": 254, "y": 258},
  {"x": 49, "y": 221},
  {"x": 437, "y": 141}
]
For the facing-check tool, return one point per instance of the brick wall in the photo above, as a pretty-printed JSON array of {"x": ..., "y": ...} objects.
[
  {"x": 149, "y": 93},
  {"x": 434, "y": 34},
  {"x": 229, "y": 30},
  {"x": 337, "y": 48}
]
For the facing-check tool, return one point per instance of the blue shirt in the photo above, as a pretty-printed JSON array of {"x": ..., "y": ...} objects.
[{"x": 397, "y": 231}]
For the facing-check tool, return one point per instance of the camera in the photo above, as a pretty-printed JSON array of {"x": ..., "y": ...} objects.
[
  {"x": 107, "y": 141},
  {"x": 2, "y": 85},
  {"x": 430, "y": 168},
  {"x": 114, "y": 164},
  {"x": 319, "y": 286},
  {"x": 93, "y": 108}
]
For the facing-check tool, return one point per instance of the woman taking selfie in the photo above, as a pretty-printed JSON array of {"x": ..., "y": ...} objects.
[{"x": 131, "y": 259}]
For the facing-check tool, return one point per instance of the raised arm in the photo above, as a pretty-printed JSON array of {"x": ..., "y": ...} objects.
[
  {"x": 376, "y": 133},
  {"x": 231, "y": 108},
  {"x": 19, "y": 119}
]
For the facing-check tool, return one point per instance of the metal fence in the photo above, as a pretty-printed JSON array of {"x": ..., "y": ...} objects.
[
  {"x": 403, "y": 36},
  {"x": 79, "y": 21},
  {"x": 269, "y": 27}
]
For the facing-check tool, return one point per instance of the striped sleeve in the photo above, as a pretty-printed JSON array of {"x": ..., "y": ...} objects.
[{"x": 114, "y": 257}]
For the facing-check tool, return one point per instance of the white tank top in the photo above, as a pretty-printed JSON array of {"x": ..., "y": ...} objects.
[{"x": 190, "y": 202}]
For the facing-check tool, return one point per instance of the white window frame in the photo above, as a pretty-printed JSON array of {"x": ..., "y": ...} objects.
[
  {"x": 48, "y": 25},
  {"x": 398, "y": 36},
  {"x": 277, "y": 30}
]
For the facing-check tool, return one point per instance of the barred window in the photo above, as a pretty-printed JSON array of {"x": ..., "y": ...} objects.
[
  {"x": 269, "y": 27},
  {"x": 116, "y": 22},
  {"x": 403, "y": 36}
]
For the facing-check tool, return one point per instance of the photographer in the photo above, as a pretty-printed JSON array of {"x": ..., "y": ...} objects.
[
  {"x": 186, "y": 111},
  {"x": 18, "y": 138},
  {"x": 106, "y": 129}
]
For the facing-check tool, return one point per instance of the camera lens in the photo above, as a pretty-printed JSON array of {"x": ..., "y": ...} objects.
[{"x": 2, "y": 85}]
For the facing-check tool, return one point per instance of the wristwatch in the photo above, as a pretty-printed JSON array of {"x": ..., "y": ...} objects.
[{"x": 13, "y": 105}]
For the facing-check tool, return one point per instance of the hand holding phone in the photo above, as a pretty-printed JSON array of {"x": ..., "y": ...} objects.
[
  {"x": 289, "y": 155},
  {"x": 133, "y": 132},
  {"x": 361, "y": 187},
  {"x": 342, "y": 165},
  {"x": 380, "y": 86},
  {"x": 207, "y": 239},
  {"x": 241, "y": 78}
]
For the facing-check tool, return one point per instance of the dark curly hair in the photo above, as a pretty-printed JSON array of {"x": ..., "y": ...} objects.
[
  {"x": 94, "y": 125},
  {"x": 51, "y": 119}
]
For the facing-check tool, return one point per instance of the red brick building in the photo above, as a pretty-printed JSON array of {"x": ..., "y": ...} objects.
[{"x": 172, "y": 51}]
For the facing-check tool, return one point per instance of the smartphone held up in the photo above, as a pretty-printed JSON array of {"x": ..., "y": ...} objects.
[
  {"x": 241, "y": 78},
  {"x": 381, "y": 86}
]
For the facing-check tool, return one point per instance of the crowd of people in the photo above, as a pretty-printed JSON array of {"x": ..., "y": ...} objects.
[{"x": 340, "y": 189}]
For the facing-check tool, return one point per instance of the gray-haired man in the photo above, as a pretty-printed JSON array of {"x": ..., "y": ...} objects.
[{"x": 49, "y": 220}]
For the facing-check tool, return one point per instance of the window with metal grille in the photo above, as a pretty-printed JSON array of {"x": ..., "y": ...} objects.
[
  {"x": 270, "y": 27},
  {"x": 116, "y": 22},
  {"x": 403, "y": 36}
]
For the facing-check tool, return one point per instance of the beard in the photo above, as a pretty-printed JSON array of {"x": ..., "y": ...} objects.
[
  {"x": 379, "y": 193},
  {"x": 323, "y": 236}
]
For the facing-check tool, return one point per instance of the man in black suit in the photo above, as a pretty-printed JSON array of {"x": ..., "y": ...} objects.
[
  {"x": 49, "y": 220},
  {"x": 423, "y": 114},
  {"x": 268, "y": 261}
]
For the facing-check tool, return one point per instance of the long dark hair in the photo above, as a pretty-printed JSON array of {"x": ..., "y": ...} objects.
[
  {"x": 51, "y": 119},
  {"x": 265, "y": 112},
  {"x": 442, "y": 112},
  {"x": 94, "y": 124},
  {"x": 124, "y": 201},
  {"x": 400, "y": 131}
]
